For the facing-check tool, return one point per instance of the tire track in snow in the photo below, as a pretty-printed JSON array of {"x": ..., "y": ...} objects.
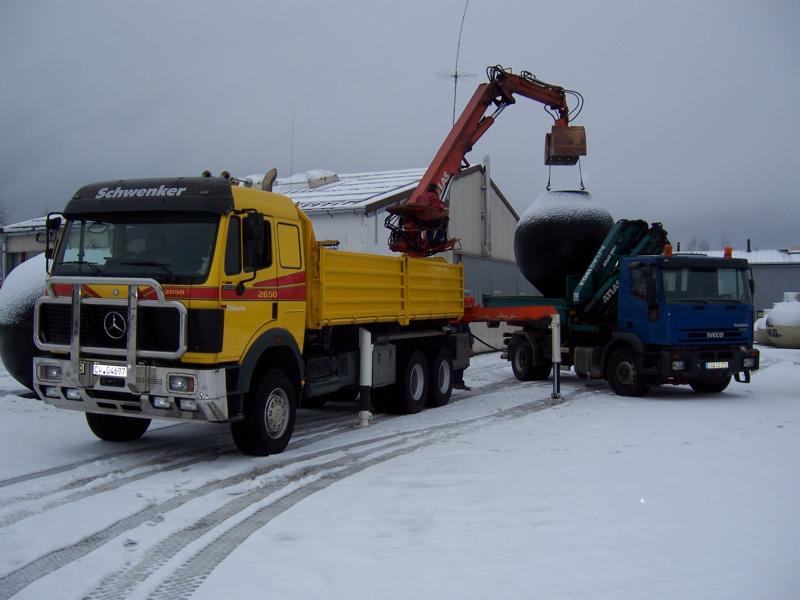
[
  {"x": 189, "y": 575},
  {"x": 160, "y": 450},
  {"x": 122, "y": 583},
  {"x": 115, "y": 483},
  {"x": 11, "y": 583},
  {"x": 160, "y": 462}
]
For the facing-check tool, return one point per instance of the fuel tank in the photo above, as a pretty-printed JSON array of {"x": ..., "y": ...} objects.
[
  {"x": 558, "y": 235},
  {"x": 20, "y": 290}
]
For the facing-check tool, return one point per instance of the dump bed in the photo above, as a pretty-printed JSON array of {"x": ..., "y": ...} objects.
[{"x": 354, "y": 288}]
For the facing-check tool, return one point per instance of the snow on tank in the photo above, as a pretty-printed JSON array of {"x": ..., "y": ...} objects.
[
  {"x": 19, "y": 293},
  {"x": 558, "y": 235}
]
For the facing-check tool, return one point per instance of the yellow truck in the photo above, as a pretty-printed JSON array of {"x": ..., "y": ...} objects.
[{"x": 202, "y": 299}]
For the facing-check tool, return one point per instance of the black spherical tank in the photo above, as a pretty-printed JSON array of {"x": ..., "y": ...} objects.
[
  {"x": 557, "y": 236},
  {"x": 20, "y": 290}
]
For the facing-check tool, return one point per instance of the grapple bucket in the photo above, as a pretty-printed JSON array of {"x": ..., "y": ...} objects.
[{"x": 564, "y": 145}]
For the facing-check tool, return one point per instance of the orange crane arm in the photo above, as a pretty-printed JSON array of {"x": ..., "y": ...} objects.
[{"x": 419, "y": 225}]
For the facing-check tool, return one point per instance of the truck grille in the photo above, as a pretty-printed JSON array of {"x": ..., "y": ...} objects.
[
  {"x": 712, "y": 336},
  {"x": 158, "y": 327}
]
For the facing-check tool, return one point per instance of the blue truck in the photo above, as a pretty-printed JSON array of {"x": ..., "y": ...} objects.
[{"x": 641, "y": 316}]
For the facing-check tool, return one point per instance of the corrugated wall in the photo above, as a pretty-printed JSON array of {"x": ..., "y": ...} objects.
[
  {"x": 485, "y": 276},
  {"x": 772, "y": 281}
]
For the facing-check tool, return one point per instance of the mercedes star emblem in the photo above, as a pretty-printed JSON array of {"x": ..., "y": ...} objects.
[{"x": 114, "y": 324}]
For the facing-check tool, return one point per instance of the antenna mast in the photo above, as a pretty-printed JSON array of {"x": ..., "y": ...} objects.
[{"x": 458, "y": 51}]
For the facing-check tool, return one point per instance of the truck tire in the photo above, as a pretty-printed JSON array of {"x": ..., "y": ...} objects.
[
  {"x": 440, "y": 384},
  {"x": 269, "y": 416},
  {"x": 113, "y": 428},
  {"x": 623, "y": 374},
  {"x": 520, "y": 353},
  {"x": 412, "y": 391},
  {"x": 709, "y": 387}
]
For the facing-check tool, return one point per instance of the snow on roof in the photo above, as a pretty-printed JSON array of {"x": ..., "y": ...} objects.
[
  {"x": 349, "y": 192},
  {"x": 762, "y": 257},
  {"x": 25, "y": 226}
]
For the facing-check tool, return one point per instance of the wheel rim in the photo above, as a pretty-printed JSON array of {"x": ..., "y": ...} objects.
[
  {"x": 521, "y": 360},
  {"x": 444, "y": 376},
  {"x": 416, "y": 384},
  {"x": 626, "y": 372},
  {"x": 276, "y": 414}
]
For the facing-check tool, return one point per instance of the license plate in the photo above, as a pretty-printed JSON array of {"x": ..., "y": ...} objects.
[
  {"x": 723, "y": 364},
  {"x": 109, "y": 370}
]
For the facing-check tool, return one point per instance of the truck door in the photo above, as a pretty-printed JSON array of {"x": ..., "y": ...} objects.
[
  {"x": 291, "y": 278},
  {"x": 639, "y": 310},
  {"x": 249, "y": 286}
]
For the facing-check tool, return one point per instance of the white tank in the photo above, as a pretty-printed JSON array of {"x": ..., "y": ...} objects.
[
  {"x": 760, "y": 331},
  {"x": 783, "y": 321}
]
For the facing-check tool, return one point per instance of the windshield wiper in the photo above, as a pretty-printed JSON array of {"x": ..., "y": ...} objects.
[
  {"x": 81, "y": 263},
  {"x": 147, "y": 263}
]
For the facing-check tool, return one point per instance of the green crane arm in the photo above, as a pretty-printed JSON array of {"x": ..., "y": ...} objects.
[{"x": 595, "y": 296}]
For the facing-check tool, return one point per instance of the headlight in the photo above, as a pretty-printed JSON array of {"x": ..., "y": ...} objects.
[
  {"x": 161, "y": 402},
  {"x": 187, "y": 404},
  {"x": 49, "y": 372},
  {"x": 749, "y": 363},
  {"x": 181, "y": 384}
]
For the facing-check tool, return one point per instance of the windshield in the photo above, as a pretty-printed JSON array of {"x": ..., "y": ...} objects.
[
  {"x": 706, "y": 286},
  {"x": 169, "y": 248}
]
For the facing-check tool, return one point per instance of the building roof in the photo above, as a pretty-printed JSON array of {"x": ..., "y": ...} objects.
[
  {"x": 327, "y": 192},
  {"x": 25, "y": 226}
]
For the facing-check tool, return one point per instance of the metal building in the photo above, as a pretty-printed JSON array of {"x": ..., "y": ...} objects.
[
  {"x": 351, "y": 208},
  {"x": 21, "y": 241}
]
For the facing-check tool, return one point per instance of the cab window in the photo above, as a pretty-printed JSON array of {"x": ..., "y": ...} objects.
[
  {"x": 638, "y": 283},
  {"x": 233, "y": 248},
  {"x": 289, "y": 246}
]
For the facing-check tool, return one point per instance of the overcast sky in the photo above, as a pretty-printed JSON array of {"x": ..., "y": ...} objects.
[{"x": 691, "y": 107}]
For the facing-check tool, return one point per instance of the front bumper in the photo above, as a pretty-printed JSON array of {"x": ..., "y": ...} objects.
[
  {"x": 708, "y": 363},
  {"x": 121, "y": 396}
]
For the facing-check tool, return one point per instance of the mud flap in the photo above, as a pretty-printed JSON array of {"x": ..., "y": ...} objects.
[{"x": 738, "y": 377}]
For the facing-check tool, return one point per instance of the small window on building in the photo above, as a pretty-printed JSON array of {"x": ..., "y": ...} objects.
[
  {"x": 233, "y": 249},
  {"x": 289, "y": 246}
]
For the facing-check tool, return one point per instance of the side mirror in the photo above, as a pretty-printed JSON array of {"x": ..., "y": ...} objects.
[
  {"x": 52, "y": 225},
  {"x": 254, "y": 226},
  {"x": 254, "y": 238}
]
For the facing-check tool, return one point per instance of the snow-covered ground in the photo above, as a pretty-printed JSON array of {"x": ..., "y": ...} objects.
[{"x": 501, "y": 494}]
